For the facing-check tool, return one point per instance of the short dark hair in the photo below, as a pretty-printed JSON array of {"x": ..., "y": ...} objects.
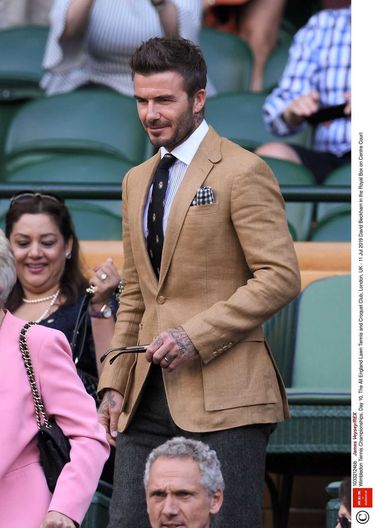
[
  {"x": 73, "y": 281},
  {"x": 158, "y": 55}
]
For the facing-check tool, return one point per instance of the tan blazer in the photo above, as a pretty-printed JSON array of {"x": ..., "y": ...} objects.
[{"x": 226, "y": 268}]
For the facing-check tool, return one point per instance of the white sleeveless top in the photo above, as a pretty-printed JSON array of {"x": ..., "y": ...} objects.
[{"x": 115, "y": 30}]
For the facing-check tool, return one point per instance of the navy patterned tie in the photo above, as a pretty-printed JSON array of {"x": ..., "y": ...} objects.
[{"x": 155, "y": 238}]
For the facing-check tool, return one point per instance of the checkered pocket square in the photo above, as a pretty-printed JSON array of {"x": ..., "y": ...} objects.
[{"x": 204, "y": 196}]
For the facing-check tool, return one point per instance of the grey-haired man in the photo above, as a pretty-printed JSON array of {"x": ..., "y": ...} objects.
[{"x": 184, "y": 485}]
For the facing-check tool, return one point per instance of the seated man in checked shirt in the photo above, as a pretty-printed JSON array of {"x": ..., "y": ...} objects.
[{"x": 317, "y": 74}]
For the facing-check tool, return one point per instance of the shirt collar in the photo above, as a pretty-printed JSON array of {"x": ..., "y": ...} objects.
[{"x": 186, "y": 151}]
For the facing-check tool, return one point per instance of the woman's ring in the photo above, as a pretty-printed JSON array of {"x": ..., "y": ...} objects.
[
  {"x": 166, "y": 358},
  {"x": 103, "y": 276}
]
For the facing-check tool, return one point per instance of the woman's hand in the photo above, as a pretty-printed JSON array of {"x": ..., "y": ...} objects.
[
  {"x": 105, "y": 280},
  {"x": 55, "y": 519}
]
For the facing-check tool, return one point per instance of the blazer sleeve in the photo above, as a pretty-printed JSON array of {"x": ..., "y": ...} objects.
[
  {"x": 258, "y": 217},
  {"x": 66, "y": 399}
]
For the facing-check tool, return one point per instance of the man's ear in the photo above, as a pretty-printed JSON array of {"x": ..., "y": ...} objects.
[
  {"x": 216, "y": 501},
  {"x": 199, "y": 101}
]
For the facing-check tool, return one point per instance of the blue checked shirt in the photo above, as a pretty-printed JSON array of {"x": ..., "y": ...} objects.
[{"x": 319, "y": 59}]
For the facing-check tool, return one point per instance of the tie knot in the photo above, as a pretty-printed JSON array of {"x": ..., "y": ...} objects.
[{"x": 167, "y": 161}]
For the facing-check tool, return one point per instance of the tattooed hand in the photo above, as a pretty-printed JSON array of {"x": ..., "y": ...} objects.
[
  {"x": 109, "y": 412},
  {"x": 171, "y": 348}
]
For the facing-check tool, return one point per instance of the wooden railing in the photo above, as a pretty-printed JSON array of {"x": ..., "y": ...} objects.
[{"x": 316, "y": 259}]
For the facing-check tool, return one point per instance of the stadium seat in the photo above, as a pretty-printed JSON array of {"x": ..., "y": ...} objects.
[
  {"x": 88, "y": 168},
  {"x": 335, "y": 227},
  {"x": 7, "y": 111},
  {"x": 338, "y": 177},
  {"x": 94, "y": 222},
  {"x": 4, "y": 204},
  {"x": 238, "y": 116},
  {"x": 299, "y": 214},
  {"x": 22, "y": 50},
  {"x": 87, "y": 120},
  {"x": 280, "y": 335},
  {"x": 333, "y": 504},
  {"x": 292, "y": 231},
  {"x": 229, "y": 59},
  {"x": 97, "y": 515},
  {"x": 317, "y": 440}
]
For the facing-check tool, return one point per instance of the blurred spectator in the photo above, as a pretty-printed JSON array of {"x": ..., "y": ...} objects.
[
  {"x": 256, "y": 21},
  {"x": 344, "y": 514},
  {"x": 91, "y": 41},
  {"x": 50, "y": 283},
  {"x": 183, "y": 483},
  {"x": 318, "y": 73},
  {"x": 24, "y": 13}
]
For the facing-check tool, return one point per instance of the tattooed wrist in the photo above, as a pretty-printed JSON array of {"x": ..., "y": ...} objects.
[
  {"x": 183, "y": 341},
  {"x": 108, "y": 400}
]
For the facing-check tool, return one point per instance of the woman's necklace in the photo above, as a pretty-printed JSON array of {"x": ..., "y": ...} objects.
[
  {"x": 46, "y": 311},
  {"x": 39, "y": 299}
]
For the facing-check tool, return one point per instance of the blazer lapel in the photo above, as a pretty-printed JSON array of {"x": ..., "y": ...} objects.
[
  {"x": 144, "y": 186},
  {"x": 206, "y": 156}
]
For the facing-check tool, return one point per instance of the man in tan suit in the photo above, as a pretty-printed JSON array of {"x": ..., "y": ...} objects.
[{"x": 227, "y": 265}]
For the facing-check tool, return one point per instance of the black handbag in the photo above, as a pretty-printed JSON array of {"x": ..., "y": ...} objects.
[
  {"x": 53, "y": 445},
  {"x": 77, "y": 345}
]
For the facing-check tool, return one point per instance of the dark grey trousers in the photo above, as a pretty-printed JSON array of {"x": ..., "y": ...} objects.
[{"x": 241, "y": 452}]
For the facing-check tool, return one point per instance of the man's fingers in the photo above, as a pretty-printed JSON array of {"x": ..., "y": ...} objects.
[
  {"x": 156, "y": 350},
  {"x": 113, "y": 424},
  {"x": 109, "y": 412},
  {"x": 111, "y": 440},
  {"x": 103, "y": 417}
]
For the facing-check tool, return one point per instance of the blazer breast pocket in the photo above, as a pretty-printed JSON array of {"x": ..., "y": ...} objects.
[{"x": 201, "y": 210}]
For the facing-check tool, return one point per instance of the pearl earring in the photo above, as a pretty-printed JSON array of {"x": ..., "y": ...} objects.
[{"x": 68, "y": 255}]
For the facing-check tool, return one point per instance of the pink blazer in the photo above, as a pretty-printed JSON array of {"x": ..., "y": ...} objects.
[{"x": 24, "y": 496}]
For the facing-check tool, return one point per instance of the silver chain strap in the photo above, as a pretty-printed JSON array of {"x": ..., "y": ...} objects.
[{"x": 38, "y": 402}]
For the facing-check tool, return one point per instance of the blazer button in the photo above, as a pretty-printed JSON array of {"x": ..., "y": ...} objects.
[{"x": 161, "y": 299}]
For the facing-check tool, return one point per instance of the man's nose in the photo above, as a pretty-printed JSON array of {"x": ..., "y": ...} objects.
[
  {"x": 170, "y": 505},
  {"x": 152, "y": 111}
]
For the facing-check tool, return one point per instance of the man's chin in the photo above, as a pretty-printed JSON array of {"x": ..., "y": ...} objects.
[{"x": 158, "y": 142}]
